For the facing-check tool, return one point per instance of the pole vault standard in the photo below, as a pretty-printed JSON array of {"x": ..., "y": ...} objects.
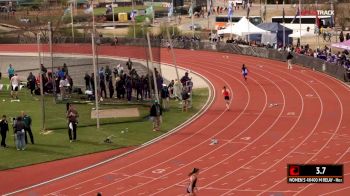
[
  {"x": 173, "y": 54},
  {"x": 42, "y": 99},
  {"x": 95, "y": 66},
  {"x": 153, "y": 71}
]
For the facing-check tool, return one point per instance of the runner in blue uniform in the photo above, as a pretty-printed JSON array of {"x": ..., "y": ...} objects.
[{"x": 244, "y": 72}]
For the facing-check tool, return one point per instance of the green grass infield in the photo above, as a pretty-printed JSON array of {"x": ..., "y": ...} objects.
[{"x": 55, "y": 145}]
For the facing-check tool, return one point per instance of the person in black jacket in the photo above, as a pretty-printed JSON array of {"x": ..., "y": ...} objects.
[
  {"x": 4, "y": 128},
  {"x": 87, "y": 79},
  {"x": 289, "y": 60},
  {"x": 156, "y": 114}
]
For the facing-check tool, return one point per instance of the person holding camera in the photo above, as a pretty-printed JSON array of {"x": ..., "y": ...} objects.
[{"x": 72, "y": 116}]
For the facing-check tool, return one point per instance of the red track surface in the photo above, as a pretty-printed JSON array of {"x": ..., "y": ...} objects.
[{"x": 256, "y": 141}]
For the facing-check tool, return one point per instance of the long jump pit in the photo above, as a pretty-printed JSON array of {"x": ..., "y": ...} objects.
[{"x": 116, "y": 113}]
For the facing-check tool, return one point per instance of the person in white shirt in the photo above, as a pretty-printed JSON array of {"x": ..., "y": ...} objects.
[{"x": 14, "y": 86}]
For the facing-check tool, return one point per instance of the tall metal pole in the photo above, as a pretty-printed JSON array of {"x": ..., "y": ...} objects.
[
  {"x": 208, "y": 10},
  {"x": 133, "y": 22},
  {"x": 153, "y": 71},
  {"x": 51, "y": 56},
  {"x": 284, "y": 28},
  {"x": 153, "y": 14},
  {"x": 95, "y": 66},
  {"x": 41, "y": 85},
  {"x": 95, "y": 80},
  {"x": 318, "y": 34},
  {"x": 192, "y": 18},
  {"x": 113, "y": 20},
  {"x": 93, "y": 18},
  {"x": 333, "y": 25},
  {"x": 72, "y": 19},
  {"x": 173, "y": 54},
  {"x": 300, "y": 22},
  {"x": 147, "y": 57}
]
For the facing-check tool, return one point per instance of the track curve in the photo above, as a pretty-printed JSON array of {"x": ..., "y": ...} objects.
[{"x": 278, "y": 117}]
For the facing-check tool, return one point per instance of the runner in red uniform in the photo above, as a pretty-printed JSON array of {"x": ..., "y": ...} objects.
[{"x": 226, "y": 94}]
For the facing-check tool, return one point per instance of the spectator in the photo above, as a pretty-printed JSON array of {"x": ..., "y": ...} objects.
[
  {"x": 347, "y": 37},
  {"x": 101, "y": 74},
  {"x": 103, "y": 88},
  {"x": 139, "y": 88},
  {"x": 110, "y": 88},
  {"x": 87, "y": 79},
  {"x": 63, "y": 84},
  {"x": 128, "y": 87},
  {"x": 31, "y": 82},
  {"x": 69, "y": 83},
  {"x": 185, "y": 95},
  {"x": 156, "y": 114},
  {"x": 4, "y": 128},
  {"x": 19, "y": 128},
  {"x": 177, "y": 89},
  {"x": 72, "y": 116},
  {"x": 92, "y": 83},
  {"x": 15, "y": 81},
  {"x": 171, "y": 89},
  {"x": 28, "y": 123},
  {"x": 165, "y": 96},
  {"x": 129, "y": 64},
  {"x": 43, "y": 69},
  {"x": 108, "y": 74},
  {"x": 65, "y": 69},
  {"x": 11, "y": 71},
  {"x": 184, "y": 79},
  {"x": 341, "y": 36}
]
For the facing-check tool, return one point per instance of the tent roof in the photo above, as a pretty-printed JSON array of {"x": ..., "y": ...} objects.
[
  {"x": 343, "y": 45},
  {"x": 297, "y": 34},
  {"x": 242, "y": 27},
  {"x": 273, "y": 27}
]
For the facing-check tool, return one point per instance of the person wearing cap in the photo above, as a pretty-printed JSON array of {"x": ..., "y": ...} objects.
[
  {"x": 156, "y": 114},
  {"x": 193, "y": 182}
]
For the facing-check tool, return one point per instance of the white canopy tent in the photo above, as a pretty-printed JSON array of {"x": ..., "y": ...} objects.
[
  {"x": 296, "y": 34},
  {"x": 242, "y": 27}
]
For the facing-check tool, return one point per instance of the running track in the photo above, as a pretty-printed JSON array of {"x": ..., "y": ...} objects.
[{"x": 307, "y": 123}]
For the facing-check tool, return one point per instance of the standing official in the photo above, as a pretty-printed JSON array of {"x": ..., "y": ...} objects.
[
  {"x": 28, "y": 122},
  {"x": 4, "y": 128}
]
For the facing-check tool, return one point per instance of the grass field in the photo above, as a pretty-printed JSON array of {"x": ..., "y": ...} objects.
[{"x": 56, "y": 145}]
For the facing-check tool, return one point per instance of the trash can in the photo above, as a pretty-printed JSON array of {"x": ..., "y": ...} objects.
[{"x": 123, "y": 17}]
